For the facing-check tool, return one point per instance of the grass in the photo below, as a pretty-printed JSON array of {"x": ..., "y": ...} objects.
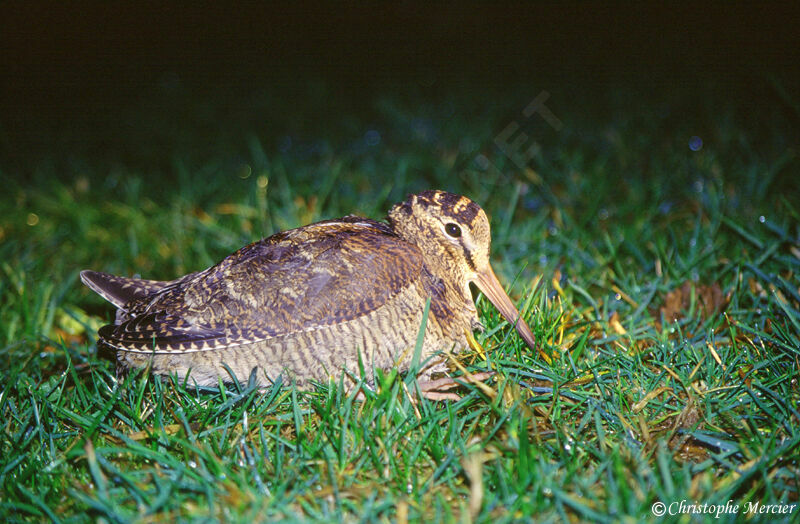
[{"x": 663, "y": 280}]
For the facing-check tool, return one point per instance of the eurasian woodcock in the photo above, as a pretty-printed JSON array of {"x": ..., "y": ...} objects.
[{"x": 308, "y": 302}]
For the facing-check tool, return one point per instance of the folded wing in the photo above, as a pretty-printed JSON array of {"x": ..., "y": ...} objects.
[{"x": 302, "y": 279}]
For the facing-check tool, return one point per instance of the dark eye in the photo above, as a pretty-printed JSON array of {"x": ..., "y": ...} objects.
[{"x": 453, "y": 230}]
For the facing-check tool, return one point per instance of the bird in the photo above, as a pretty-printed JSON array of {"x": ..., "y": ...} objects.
[{"x": 318, "y": 302}]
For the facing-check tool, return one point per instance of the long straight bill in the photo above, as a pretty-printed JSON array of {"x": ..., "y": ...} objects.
[{"x": 487, "y": 282}]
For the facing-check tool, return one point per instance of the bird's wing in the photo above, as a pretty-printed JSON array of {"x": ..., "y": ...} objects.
[
  {"x": 120, "y": 290},
  {"x": 299, "y": 280}
]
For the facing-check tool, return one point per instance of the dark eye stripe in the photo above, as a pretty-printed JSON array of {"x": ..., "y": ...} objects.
[
  {"x": 453, "y": 230},
  {"x": 468, "y": 257}
]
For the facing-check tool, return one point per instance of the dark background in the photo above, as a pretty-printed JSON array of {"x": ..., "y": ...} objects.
[{"x": 84, "y": 65}]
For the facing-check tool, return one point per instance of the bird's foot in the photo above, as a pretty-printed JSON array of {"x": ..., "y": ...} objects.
[{"x": 439, "y": 389}]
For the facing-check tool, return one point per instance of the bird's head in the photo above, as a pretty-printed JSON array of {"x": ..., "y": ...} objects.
[{"x": 454, "y": 236}]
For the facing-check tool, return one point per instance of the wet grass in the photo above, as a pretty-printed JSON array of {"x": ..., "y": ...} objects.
[{"x": 663, "y": 279}]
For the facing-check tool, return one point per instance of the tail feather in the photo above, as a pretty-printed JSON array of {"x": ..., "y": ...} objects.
[{"x": 120, "y": 290}]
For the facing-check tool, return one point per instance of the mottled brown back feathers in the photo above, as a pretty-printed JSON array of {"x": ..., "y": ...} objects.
[{"x": 297, "y": 280}]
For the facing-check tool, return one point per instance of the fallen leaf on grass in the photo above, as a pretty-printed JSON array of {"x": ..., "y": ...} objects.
[{"x": 709, "y": 301}]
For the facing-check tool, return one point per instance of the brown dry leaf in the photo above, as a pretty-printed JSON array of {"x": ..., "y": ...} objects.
[
  {"x": 743, "y": 372},
  {"x": 673, "y": 303},
  {"x": 690, "y": 451},
  {"x": 687, "y": 418},
  {"x": 709, "y": 301}
]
